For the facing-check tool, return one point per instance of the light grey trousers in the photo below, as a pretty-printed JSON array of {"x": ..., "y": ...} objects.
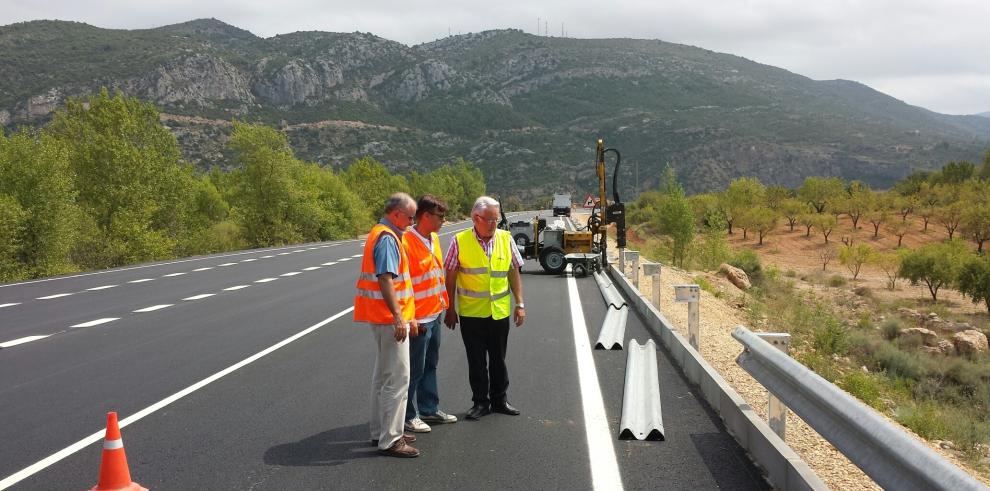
[{"x": 389, "y": 386}]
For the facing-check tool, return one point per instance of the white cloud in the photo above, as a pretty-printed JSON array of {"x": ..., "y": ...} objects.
[{"x": 902, "y": 47}]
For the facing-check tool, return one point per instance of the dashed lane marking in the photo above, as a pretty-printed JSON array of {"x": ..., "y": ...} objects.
[
  {"x": 226, "y": 264},
  {"x": 28, "y": 339},
  {"x": 265, "y": 280},
  {"x": 358, "y": 255},
  {"x": 331, "y": 263},
  {"x": 2, "y": 305},
  {"x": 238, "y": 287},
  {"x": 290, "y": 274},
  {"x": 284, "y": 253},
  {"x": 97, "y": 322},
  {"x": 249, "y": 260},
  {"x": 311, "y": 268},
  {"x": 268, "y": 256},
  {"x": 343, "y": 259},
  {"x": 142, "y": 280},
  {"x": 204, "y": 269},
  {"x": 100, "y": 434},
  {"x": 154, "y": 308},
  {"x": 104, "y": 287},
  {"x": 172, "y": 274},
  {"x": 60, "y": 295},
  {"x": 197, "y": 297}
]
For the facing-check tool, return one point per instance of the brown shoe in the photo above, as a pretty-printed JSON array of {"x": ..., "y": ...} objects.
[
  {"x": 405, "y": 436},
  {"x": 400, "y": 449}
]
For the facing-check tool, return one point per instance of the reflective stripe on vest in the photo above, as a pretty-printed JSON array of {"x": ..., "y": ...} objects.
[
  {"x": 483, "y": 284},
  {"x": 369, "y": 302},
  {"x": 428, "y": 277}
]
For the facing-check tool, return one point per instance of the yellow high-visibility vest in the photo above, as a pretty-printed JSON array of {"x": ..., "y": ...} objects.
[{"x": 483, "y": 284}]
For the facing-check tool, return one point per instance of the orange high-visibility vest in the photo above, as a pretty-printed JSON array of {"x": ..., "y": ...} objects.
[
  {"x": 426, "y": 267},
  {"x": 369, "y": 304}
]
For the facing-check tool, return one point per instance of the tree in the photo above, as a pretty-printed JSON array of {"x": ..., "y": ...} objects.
[
  {"x": 763, "y": 220},
  {"x": 34, "y": 171},
  {"x": 827, "y": 253},
  {"x": 955, "y": 173},
  {"x": 775, "y": 195},
  {"x": 974, "y": 280},
  {"x": 904, "y": 205},
  {"x": 819, "y": 192},
  {"x": 743, "y": 194},
  {"x": 792, "y": 210},
  {"x": 900, "y": 229},
  {"x": 985, "y": 168},
  {"x": 854, "y": 257},
  {"x": 808, "y": 221},
  {"x": 877, "y": 218},
  {"x": 373, "y": 183},
  {"x": 859, "y": 200},
  {"x": 890, "y": 263},
  {"x": 676, "y": 219},
  {"x": 950, "y": 216},
  {"x": 976, "y": 224},
  {"x": 12, "y": 218},
  {"x": 825, "y": 223},
  {"x": 130, "y": 177},
  {"x": 935, "y": 264}
]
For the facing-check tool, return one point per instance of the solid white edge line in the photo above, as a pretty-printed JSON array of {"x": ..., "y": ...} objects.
[
  {"x": 601, "y": 454},
  {"x": 95, "y": 437},
  {"x": 26, "y": 339},
  {"x": 153, "y": 308},
  {"x": 97, "y": 322}
]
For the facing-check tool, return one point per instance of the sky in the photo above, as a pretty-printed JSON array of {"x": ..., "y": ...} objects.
[{"x": 933, "y": 53}]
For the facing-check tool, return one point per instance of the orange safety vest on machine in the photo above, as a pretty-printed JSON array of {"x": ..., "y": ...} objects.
[
  {"x": 369, "y": 303},
  {"x": 428, "y": 281}
]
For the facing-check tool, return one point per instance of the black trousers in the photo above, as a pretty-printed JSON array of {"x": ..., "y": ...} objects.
[{"x": 485, "y": 341}]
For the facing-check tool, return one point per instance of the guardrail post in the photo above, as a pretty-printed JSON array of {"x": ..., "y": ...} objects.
[
  {"x": 635, "y": 268},
  {"x": 690, "y": 294},
  {"x": 653, "y": 271},
  {"x": 776, "y": 410}
]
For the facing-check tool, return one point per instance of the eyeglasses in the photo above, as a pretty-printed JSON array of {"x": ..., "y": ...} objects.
[
  {"x": 441, "y": 216},
  {"x": 491, "y": 221}
]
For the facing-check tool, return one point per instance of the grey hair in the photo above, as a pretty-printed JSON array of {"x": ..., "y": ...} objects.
[
  {"x": 398, "y": 200},
  {"x": 483, "y": 203}
]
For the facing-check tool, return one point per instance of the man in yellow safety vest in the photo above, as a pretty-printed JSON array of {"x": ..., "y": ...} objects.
[{"x": 482, "y": 266}]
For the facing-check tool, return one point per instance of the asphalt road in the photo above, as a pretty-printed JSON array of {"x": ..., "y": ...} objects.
[{"x": 188, "y": 356}]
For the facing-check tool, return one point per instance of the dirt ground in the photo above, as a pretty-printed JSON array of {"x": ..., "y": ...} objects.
[{"x": 718, "y": 317}]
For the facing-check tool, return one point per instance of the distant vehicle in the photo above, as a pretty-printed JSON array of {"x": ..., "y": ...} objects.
[{"x": 561, "y": 205}]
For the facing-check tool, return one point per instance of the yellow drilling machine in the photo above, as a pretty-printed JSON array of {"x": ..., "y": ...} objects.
[{"x": 585, "y": 248}]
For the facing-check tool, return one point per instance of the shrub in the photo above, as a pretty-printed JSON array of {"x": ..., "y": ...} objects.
[
  {"x": 898, "y": 363},
  {"x": 890, "y": 329},
  {"x": 790, "y": 273},
  {"x": 830, "y": 337},
  {"x": 924, "y": 419},
  {"x": 836, "y": 281},
  {"x": 864, "y": 387},
  {"x": 749, "y": 261},
  {"x": 707, "y": 286},
  {"x": 822, "y": 365}
]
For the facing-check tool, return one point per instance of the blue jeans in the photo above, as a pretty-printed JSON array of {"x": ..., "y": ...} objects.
[{"x": 424, "y": 352}]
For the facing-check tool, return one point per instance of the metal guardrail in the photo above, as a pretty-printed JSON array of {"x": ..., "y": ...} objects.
[
  {"x": 642, "y": 418},
  {"x": 611, "y": 295},
  {"x": 886, "y": 453},
  {"x": 613, "y": 330}
]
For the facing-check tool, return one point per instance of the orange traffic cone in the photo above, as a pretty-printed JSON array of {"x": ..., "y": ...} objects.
[{"x": 114, "y": 474}]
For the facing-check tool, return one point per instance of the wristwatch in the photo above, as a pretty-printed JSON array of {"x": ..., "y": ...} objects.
[{"x": 520, "y": 305}]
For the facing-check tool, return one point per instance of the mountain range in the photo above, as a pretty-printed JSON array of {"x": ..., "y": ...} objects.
[{"x": 526, "y": 109}]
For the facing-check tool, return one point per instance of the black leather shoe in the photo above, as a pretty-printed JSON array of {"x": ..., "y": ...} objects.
[
  {"x": 477, "y": 411},
  {"x": 505, "y": 408}
]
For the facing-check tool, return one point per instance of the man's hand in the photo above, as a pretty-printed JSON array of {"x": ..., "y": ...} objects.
[
  {"x": 519, "y": 316},
  {"x": 414, "y": 328},
  {"x": 400, "y": 330},
  {"x": 450, "y": 319}
]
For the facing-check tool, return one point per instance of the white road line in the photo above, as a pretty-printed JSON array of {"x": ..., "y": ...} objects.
[
  {"x": 311, "y": 268},
  {"x": 331, "y": 263},
  {"x": 104, "y": 287},
  {"x": 172, "y": 274},
  {"x": 290, "y": 274},
  {"x": 266, "y": 257},
  {"x": 238, "y": 287},
  {"x": 154, "y": 308},
  {"x": 97, "y": 322},
  {"x": 601, "y": 454},
  {"x": 357, "y": 255},
  {"x": 265, "y": 280},
  {"x": 284, "y": 253},
  {"x": 60, "y": 295},
  {"x": 197, "y": 297},
  {"x": 312, "y": 248},
  {"x": 23, "y": 340},
  {"x": 142, "y": 280},
  {"x": 300, "y": 250},
  {"x": 343, "y": 259},
  {"x": 2, "y": 305},
  {"x": 204, "y": 269},
  {"x": 226, "y": 264},
  {"x": 95, "y": 437},
  {"x": 249, "y": 260}
]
